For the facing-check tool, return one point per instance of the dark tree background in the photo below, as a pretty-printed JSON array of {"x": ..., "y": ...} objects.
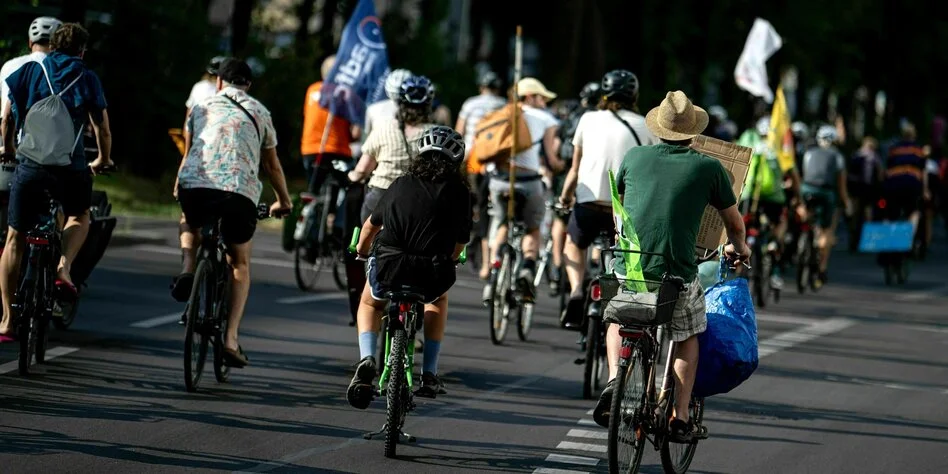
[{"x": 149, "y": 53}]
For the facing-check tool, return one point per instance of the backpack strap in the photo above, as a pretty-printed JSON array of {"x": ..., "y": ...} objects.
[
  {"x": 635, "y": 135},
  {"x": 249, "y": 115},
  {"x": 50, "y": 83},
  {"x": 70, "y": 84}
]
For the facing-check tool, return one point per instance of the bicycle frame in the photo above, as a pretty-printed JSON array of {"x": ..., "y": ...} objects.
[
  {"x": 401, "y": 316},
  {"x": 649, "y": 341}
]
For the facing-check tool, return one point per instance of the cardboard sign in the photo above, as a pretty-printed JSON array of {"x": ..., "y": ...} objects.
[{"x": 736, "y": 160}]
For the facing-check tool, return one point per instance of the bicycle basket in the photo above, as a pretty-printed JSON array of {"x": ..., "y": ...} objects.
[{"x": 624, "y": 302}]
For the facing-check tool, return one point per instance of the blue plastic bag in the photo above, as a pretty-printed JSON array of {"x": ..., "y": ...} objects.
[{"x": 727, "y": 354}]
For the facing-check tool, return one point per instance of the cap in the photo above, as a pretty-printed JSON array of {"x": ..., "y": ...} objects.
[
  {"x": 530, "y": 86},
  {"x": 235, "y": 71},
  {"x": 215, "y": 64}
]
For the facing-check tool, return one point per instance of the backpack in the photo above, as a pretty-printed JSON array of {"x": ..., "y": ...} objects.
[
  {"x": 49, "y": 134},
  {"x": 493, "y": 142}
]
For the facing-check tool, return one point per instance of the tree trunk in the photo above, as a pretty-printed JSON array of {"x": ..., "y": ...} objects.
[
  {"x": 328, "y": 13},
  {"x": 240, "y": 26},
  {"x": 304, "y": 12}
]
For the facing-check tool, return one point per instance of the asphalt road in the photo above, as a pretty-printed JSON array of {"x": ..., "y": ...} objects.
[{"x": 852, "y": 380}]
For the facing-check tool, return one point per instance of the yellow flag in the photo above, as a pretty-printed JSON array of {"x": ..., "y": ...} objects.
[{"x": 780, "y": 138}]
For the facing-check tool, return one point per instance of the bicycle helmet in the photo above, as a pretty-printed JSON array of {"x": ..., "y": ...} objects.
[
  {"x": 42, "y": 28},
  {"x": 444, "y": 140},
  {"x": 718, "y": 112},
  {"x": 215, "y": 64},
  {"x": 620, "y": 83},
  {"x": 799, "y": 129},
  {"x": 489, "y": 80},
  {"x": 416, "y": 90},
  {"x": 393, "y": 82},
  {"x": 827, "y": 133},
  {"x": 590, "y": 91},
  {"x": 763, "y": 126}
]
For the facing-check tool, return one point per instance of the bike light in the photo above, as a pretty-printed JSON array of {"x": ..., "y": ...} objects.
[
  {"x": 404, "y": 307},
  {"x": 882, "y": 204},
  {"x": 595, "y": 292},
  {"x": 307, "y": 198},
  {"x": 496, "y": 264},
  {"x": 752, "y": 232}
]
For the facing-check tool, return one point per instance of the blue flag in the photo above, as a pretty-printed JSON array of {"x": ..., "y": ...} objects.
[{"x": 357, "y": 79}]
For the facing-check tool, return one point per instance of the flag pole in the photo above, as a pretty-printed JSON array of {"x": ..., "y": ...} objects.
[{"x": 518, "y": 60}]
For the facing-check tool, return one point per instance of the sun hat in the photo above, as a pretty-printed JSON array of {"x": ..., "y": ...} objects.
[
  {"x": 530, "y": 86},
  {"x": 676, "y": 118}
]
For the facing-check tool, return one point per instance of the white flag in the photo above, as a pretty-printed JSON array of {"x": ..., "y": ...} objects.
[{"x": 751, "y": 71}]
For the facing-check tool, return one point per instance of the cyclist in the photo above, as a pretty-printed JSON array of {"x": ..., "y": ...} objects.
[
  {"x": 864, "y": 176},
  {"x": 602, "y": 139},
  {"x": 588, "y": 100},
  {"x": 207, "y": 86},
  {"x": 472, "y": 111},
  {"x": 414, "y": 235},
  {"x": 231, "y": 136},
  {"x": 824, "y": 181},
  {"x": 905, "y": 179},
  {"x": 66, "y": 177},
  {"x": 542, "y": 126},
  {"x": 386, "y": 110},
  {"x": 665, "y": 189},
  {"x": 318, "y": 158},
  {"x": 388, "y": 151}
]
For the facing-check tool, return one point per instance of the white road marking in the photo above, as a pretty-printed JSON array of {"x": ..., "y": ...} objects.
[
  {"x": 547, "y": 470},
  {"x": 575, "y": 433},
  {"x": 272, "y": 262},
  {"x": 567, "y": 459},
  {"x": 785, "y": 318},
  {"x": 311, "y": 298},
  {"x": 52, "y": 353},
  {"x": 588, "y": 422},
  {"x": 913, "y": 296},
  {"x": 158, "y": 320},
  {"x": 786, "y": 340},
  {"x": 569, "y": 445}
]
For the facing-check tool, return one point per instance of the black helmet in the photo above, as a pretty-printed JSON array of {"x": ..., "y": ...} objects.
[
  {"x": 416, "y": 90},
  {"x": 215, "y": 64},
  {"x": 590, "y": 91},
  {"x": 620, "y": 84},
  {"x": 443, "y": 140},
  {"x": 489, "y": 80}
]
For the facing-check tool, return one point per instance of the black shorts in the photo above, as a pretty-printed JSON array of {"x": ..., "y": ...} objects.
[
  {"x": 901, "y": 202},
  {"x": 238, "y": 214},
  {"x": 587, "y": 222},
  {"x": 71, "y": 187}
]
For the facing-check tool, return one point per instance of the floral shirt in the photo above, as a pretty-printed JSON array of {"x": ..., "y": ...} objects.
[{"x": 226, "y": 145}]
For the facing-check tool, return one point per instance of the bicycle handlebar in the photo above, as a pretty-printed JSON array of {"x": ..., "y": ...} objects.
[{"x": 354, "y": 243}]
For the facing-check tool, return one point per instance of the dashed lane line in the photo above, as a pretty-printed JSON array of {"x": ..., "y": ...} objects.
[{"x": 52, "y": 353}]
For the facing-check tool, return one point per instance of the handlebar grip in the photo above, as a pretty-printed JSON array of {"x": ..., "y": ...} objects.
[
  {"x": 462, "y": 259},
  {"x": 354, "y": 243}
]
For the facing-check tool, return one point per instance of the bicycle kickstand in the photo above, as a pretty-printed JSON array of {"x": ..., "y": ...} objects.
[{"x": 404, "y": 437}]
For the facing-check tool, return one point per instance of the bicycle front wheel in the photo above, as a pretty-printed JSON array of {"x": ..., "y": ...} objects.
[
  {"x": 395, "y": 392},
  {"x": 306, "y": 273},
  {"x": 196, "y": 336},
  {"x": 626, "y": 440},
  {"x": 591, "y": 368},
  {"x": 500, "y": 301},
  {"x": 525, "y": 320},
  {"x": 677, "y": 457}
]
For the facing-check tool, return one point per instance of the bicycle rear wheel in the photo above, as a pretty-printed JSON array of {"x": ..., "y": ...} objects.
[
  {"x": 196, "y": 336},
  {"x": 626, "y": 440},
  {"x": 306, "y": 273},
  {"x": 525, "y": 320},
  {"x": 27, "y": 327},
  {"x": 591, "y": 368},
  {"x": 677, "y": 457},
  {"x": 394, "y": 413},
  {"x": 339, "y": 269},
  {"x": 500, "y": 301},
  {"x": 222, "y": 371},
  {"x": 804, "y": 252}
]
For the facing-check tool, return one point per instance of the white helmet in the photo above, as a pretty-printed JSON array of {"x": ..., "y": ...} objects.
[
  {"x": 393, "y": 83},
  {"x": 827, "y": 133},
  {"x": 6, "y": 175},
  {"x": 42, "y": 28},
  {"x": 763, "y": 126}
]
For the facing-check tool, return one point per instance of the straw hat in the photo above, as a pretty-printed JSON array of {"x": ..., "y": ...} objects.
[{"x": 676, "y": 118}]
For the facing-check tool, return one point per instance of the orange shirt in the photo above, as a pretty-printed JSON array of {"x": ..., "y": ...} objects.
[{"x": 314, "y": 123}]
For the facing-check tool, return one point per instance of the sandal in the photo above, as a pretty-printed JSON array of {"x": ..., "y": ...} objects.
[
  {"x": 236, "y": 358},
  {"x": 181, "y": 287},
  {"x": 7, "y": 338}
]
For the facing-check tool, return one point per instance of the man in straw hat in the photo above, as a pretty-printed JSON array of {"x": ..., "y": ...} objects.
[{"x": 665, "y": 189}]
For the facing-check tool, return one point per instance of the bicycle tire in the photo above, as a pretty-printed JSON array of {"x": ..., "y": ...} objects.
[
  {"x": 192, "y": 375},
  {"x": 525, "y": 320},
  {"x": 70, "y": 310},
  {"x": 680, "y": 464},
  {"x": 221, "y": 370},
  {"x": 619, "y": 415},
  {"x": 26, "y": 330},
  {"x": 593, "y": 326},
  {"x": 300, "y": 266},
  {"x": 803, "y": 263},
  {"x": 394, "y": 411},
  {"x": 42, "y": 338},
  {"x": 339, "y": 270},
  {"x": 499, "y": 303}
]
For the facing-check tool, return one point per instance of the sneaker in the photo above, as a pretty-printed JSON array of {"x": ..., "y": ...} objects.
[
  {"x": 681, "y": 431},
  {"x": 554, "y": 284},
  {"x": 525, "y": 281},
  {"x": 604, "y": 405},
  {"x": 487, "y": 295},
  {"x": 361, "y": 389},
  {"x": 572, "y": 316},
  {"x": 431, "y": 386}
]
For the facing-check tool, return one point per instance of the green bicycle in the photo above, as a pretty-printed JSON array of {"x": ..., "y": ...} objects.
[{"x": 403, "y": 319}]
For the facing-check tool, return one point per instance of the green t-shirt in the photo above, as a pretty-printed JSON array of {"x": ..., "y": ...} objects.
[{"x": 665, "y": 189}]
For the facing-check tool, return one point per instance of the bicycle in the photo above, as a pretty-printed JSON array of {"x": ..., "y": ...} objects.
[
  {"x": 593, "y": 340},
  {"x": 316, "y": 245},
  {"x": 34, "y": 299},
  {"x": 212, "y": 288},
  {"x": 638, "y": 413},
  {"x": 505, "y": 295},
  {"x": 807, "y": 255},
  {"x": 761, "y": 240}
]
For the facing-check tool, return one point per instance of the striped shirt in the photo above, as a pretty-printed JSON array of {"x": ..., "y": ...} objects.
[
  {"x": 473, "y": 110},
  {"x": 386, "y": 144}
]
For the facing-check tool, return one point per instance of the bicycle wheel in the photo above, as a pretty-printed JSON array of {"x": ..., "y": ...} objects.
[
  {"x": 500, "y": 305},
  {"x": 804, "y": 249},
  {"x": 196, "y": 333},
  {"x": 677, "y": 457},
  {"x": 626, "y": 440},
  {"x": 339, "y": 269},
  {"x": 70, "y": 310},
  {"x": 525, "y": 320},
  {"x": 27, "y": 326},
  {"x": 221, "y": 371},
  {"x": 306, "y": 273},
  {"x": 42, "y": 337},
  {"x": 394, "y": 393},
  {"x": 591, "y": 368}
]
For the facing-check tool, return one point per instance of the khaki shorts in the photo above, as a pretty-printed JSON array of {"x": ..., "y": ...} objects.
[{"x": 690, "y": 318}]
